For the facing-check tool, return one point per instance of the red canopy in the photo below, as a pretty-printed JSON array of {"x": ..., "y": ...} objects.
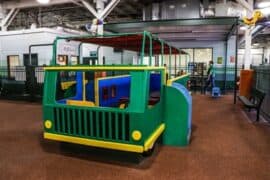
[{"x": 132, "y": 42}]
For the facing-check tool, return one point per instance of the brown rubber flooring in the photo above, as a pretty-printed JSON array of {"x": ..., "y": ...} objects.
[{"x": 225, "y": 145}]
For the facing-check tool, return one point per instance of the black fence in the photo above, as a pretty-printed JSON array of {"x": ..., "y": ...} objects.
[
  {"x": 22, "y": 82},
  {"x": 262, "y": 82}
]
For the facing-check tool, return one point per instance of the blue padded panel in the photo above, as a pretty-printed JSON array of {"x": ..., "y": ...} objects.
[
  {"x": 155, "y": 82},
  {"x": 188, "y": 98},
  {"x": 90, "y": 91},
  {"x": 79, "y": 87},
  {"x": 122, "y": 85}
]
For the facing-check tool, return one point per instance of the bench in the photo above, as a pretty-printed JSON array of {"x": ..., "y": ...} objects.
[{"x": 254, "y": 102}]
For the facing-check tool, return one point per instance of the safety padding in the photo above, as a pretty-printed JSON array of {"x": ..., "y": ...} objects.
[
  {"x": 178, "y": 111},
  {"x": 90, "y": 91},
  {"x": 180, "y": 80},
  {"x": 155, "y": 81},
  {"x": 80, "y": 103},
  {"x": 111, "y": 89}
]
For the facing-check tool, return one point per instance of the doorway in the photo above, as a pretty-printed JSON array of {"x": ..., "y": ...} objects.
[
  {"x": 12, "y": 62},
  {"x": 34, "y": 60}
]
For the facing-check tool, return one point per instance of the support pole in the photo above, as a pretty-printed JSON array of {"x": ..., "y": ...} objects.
[
  {"x": 100, "y": 8},
  {"x": 143, "y": 49},
  {"x": 175, "y": 66},
  {"x": 170, "y": 62},
  {"x": 151, "y": 50},
  {"x": 179, "y": 60},
  {"x": 225, "y": 66},
  {"x": 249, "y": 4},
  {"x": 236, "y": 62},
  {"x": 248, "y": 41},
  {"x": 162, "y": 53}
]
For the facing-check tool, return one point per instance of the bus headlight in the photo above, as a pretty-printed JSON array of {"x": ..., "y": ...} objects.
[
  {"x": 136, "y": 135},
  {"x": 48, "y": 124}
]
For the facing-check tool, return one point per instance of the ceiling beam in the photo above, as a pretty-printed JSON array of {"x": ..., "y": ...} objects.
[
  {"x": 32, "y": 3},
  {"x": 90, "y": 8},
  {"x": 247, "y": 5},
  {"x": 9, "y": 18},
  {"x": 108, "y": 9}
]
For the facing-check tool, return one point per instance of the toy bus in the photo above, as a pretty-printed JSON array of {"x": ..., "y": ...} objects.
[{"x": 120, "y": 107}]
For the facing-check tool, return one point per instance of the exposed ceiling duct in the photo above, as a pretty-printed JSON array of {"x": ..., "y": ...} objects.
[{"x": 73, "y": 12}]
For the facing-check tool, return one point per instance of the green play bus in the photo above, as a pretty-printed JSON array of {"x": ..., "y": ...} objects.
[{"x": 120, "y": 107}]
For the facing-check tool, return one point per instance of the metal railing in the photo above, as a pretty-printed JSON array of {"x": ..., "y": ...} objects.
[
  {"x": 21, "y": 81},
  {"x": 262, "y": 82}
]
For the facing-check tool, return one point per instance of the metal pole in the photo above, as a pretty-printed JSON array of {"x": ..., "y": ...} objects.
[
  {"x": 170, "y": 62},
  {"x": 54, "y": 60},
  {"x": 179, "y": 61},
  {"x": 150, "y": 49},
  {"x": 236, "y": 62},
  {"x": 143, "y": 47},
  {"x": 162, "y": 53},
  {"x": 79, "y": 53},
  {"x": 225, "y": 63},
  {"x": 186, "y": 63},
  {"x": 175, "y": 64}
]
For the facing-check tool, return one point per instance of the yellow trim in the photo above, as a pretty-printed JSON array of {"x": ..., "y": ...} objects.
[
  {"x": 136, "y": 135},
  {"x": 84, "y": 83},
  {"x": 122, "y": 106},
  {"x": 103, "y": 68},
  {"x": 95, "y": 143},
  {"x": 96, "y": 92},
  {"x": 109, "y": 145},
  {"x": 170, "y": 81},
  {"x": 48, "y": 124},
  {"x": 80, "y": 103},
  {"x": 66, "y": 85},
  {"x": 112, "y": 77},
  {"x": 152, "y": 139},
  {"x": 164, "y": 76},
  {"x": 97, "y": 86}
]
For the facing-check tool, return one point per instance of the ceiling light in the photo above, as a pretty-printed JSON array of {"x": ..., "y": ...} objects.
[
  {"x": 243, "y": 28},
  {"x": 263, "y": 4},
  {"x": 256, "y": 44},
  {"x": 43, "y": 1},
  {"x": 172, "y": 6},
  {"x": 265, "y": 11},
  {"x": 184, "y": 5}
]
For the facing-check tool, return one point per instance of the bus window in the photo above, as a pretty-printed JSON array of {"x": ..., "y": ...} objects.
[
  {"x": 154, "y": 88},
  {"x": 66, "y": 85}
]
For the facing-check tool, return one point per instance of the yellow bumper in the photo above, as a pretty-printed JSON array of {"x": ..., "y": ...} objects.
[{"x": 109, "y": 145}]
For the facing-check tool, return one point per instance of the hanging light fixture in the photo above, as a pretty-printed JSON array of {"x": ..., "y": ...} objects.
[
  {"x": 263, "y": 4},
  {"x": 43, "y": 1},
  {"x": 243, "y": 28}
]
